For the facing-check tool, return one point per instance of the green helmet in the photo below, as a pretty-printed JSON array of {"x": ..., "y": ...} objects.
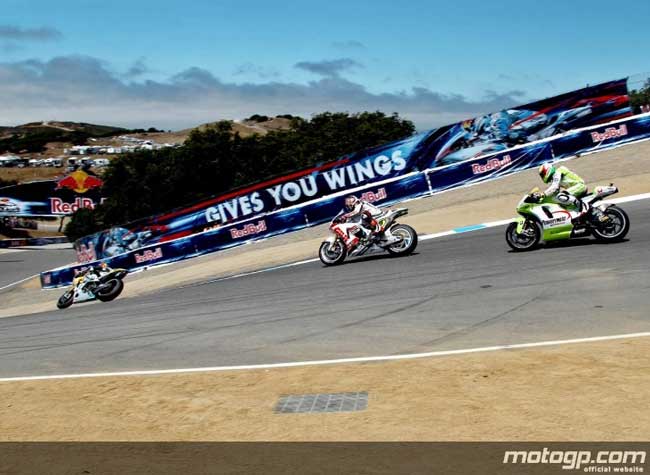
[{"x": 546, "y": 172}]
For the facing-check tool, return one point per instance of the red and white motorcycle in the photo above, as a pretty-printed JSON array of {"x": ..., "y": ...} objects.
[{"x": 396, "y": 239}]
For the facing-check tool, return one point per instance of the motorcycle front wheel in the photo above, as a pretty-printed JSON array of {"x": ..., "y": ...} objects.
[
  {"x": 332, "y": 254},
  {"x": 65, "y": 300},
  {"x": 527, "y": 240}
]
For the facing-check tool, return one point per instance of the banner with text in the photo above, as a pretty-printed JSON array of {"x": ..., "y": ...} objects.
[
  {"x": 445, "y": 147},
  {"x": 79, "y": 189},
  {"x": 383, "y": 193}
]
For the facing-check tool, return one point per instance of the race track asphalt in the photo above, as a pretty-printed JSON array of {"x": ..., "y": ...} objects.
[
  {"x": 460, "y": 291},
  {"x": 19, "y": 263}
]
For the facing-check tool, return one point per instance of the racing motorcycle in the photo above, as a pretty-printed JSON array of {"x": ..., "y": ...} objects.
[
  {"x": 542, "y": 220},
  {"x": 104, "y": 285},
  {"x": 397, "y": 239}
]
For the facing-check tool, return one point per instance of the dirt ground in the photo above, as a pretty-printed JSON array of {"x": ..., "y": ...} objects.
[{"x": 588, "y": 391}]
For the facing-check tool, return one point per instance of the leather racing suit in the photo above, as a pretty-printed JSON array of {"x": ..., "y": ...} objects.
[
  {"x": 364, "y": 215},
  {"x": 567, "y": 188}
]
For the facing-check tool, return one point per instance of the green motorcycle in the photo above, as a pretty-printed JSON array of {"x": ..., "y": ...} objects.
[{"x": 540, "y": 219}]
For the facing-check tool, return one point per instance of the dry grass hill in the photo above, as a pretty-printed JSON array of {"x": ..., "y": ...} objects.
[{"x": 104, "y": 135}]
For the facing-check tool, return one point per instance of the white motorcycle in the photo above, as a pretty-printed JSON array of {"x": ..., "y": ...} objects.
[
  {"x": 396, "y": 239},
  {"x": 104, "y": 285}
]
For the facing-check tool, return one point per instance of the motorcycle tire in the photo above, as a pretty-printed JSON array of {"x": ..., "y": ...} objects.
[
  {"x": 65, "y": 300},
  {"x": 621, "y": 223},
  {"x": 409, "y": 236},
  {"x": 332, "y": 258},
  {"x": 112, "y": 293},
  {"x": 517, "y": 244}
]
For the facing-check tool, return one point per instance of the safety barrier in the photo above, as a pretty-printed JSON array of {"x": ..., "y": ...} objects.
[{"x": 404, "y": 187}]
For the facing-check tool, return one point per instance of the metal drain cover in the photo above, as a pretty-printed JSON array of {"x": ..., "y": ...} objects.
[{"x": 326, "y": 402}]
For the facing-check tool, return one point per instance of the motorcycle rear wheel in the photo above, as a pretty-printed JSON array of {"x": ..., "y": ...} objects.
[
  {"x": 408, "y": 243},
  {"x": 332, "y": 256},
  {"x": 618, "y": 228},
  {"x": 112, "y": 292}
]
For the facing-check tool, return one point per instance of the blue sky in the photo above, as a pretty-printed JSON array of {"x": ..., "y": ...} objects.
[{"x": 175, "y": 64}]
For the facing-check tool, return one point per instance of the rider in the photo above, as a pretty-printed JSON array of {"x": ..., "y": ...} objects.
[
  {"x": 93, "y": 273},
  {"x": 566, "y": 188},
  {"x": 365, "y": 213}
]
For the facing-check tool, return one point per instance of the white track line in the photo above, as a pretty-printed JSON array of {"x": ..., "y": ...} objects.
[
  {"x": 626, "y": 199},
  {"x": 336, "y": 361},
  {"x": 18, "y": 282}
]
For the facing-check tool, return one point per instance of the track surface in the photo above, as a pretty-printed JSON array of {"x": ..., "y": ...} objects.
[
  {"x": 455, "y": 292},
  {"x": 20, "y": 263}
]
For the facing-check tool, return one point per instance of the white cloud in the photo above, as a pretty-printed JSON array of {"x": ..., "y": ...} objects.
[{"x": 82, "y": 88}]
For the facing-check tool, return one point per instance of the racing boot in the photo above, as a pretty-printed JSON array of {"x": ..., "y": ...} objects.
[{"x": 583, "y": 209}]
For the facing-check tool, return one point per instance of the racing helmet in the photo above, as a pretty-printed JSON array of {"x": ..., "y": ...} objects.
[
  {"x": 350, "y": 202},
  {"x": 546, "y": 171}
]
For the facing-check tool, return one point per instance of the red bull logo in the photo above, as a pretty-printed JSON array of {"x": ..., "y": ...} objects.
[
  {"x": 58, "y": 206},
  {"x": 248, "y": 229},
  {"x": 79, "y": 182},
  {"x": 491, "y": 164},
  {"x": 610, "y": 133},
  {"x": 148, "y": 255},
  {"x": 371, "y": 196},
  {"x": 86, "y": 253}
]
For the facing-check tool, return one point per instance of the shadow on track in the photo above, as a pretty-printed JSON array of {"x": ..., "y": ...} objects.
[
  {"x": 374, "y": 257},
  {"x": 570, "y": 243}
]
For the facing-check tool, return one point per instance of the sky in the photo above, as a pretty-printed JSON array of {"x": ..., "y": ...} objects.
[{"x": 176, "y": 64}]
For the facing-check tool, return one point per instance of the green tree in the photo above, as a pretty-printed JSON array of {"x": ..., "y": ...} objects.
[
  {"x": 640, "y": 97},
  {"x": 215, "y": 160},
  {"x": 83, "y": 222},
  {"x": 258, "y": 118}
]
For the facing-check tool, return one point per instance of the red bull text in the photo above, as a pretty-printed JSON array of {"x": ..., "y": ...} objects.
[
  {"x": 58, "y": 206},
  {"x": 610, "y": 133},
  {"x": 248, "y": 230},
  {"x": 491, "y": 164}
]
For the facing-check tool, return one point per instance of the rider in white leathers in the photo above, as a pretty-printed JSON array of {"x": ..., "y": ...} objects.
[{"x": 363, "y": 214}]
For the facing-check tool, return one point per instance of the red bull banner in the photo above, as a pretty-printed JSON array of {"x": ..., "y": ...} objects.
[
  {"x": 60, "y": 197},
  {"x": 132, "y": 254},
  {"x": 447, "y": 146}
]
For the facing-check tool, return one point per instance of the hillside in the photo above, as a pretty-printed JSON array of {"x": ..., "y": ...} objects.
[
  {"x": 62, "y": 135},
  {"x": 41, "y": 140},
  {"x": 246, "y": 128},
  {"x": 59, "y": 128}
]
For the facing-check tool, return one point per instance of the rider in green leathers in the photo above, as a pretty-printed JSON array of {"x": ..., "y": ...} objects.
[{"x": 566, "y": 188}]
